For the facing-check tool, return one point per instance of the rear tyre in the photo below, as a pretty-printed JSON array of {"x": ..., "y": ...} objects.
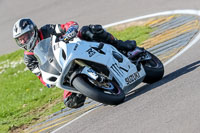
[
  {"x": 154, "y": 69},
  {"x": 112, "y": 95}
]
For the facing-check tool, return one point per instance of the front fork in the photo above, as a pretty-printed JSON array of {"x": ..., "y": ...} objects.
[
  {"x": 84, "y": 70},
  {"x": 87, "y": 70}
]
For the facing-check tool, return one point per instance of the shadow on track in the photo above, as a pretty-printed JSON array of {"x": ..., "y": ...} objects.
[{"x": 166, "y": 79}]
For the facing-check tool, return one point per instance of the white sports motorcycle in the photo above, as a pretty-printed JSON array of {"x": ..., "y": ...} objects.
[{"x": 97, "y": 70}]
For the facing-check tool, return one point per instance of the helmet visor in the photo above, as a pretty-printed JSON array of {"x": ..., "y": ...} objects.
[{"x": 24, "y": 39}]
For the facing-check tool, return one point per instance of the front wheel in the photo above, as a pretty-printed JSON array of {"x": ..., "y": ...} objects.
[
  {"x": 107, "y": 93},
  {"x": 154, "y": 69}
]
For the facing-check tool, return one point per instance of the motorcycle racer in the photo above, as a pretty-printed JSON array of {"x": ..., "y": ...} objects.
[{"x": 27, "y": 36}]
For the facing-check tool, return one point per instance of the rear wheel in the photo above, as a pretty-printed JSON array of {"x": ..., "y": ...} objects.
[
  {"x": 154, "y": 69},
  {"x": 107, "y": 92}
]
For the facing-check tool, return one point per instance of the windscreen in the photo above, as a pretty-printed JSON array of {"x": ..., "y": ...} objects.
[
  {"x": 41, "y": 50},
  {"x": 44, "y": 54}
]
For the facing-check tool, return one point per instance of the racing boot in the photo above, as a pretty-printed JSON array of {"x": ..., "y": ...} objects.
[
  {"x": 74, "y": 100},
  {"x": 128, "y": 45}
]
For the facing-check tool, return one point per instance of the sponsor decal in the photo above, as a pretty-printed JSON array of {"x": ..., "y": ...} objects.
[
  {"x": 132, "y": 78},
  {"x": 56, "y": 46},
  {"x": 76, "y": 46},
  {"x": 91, "y": 52},
  {"x": 118, "y": 69}
]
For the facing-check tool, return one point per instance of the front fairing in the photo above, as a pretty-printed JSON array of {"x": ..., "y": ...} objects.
[
  {"x": 120, "y": 68},
  {"x": 57, "y": 61}
]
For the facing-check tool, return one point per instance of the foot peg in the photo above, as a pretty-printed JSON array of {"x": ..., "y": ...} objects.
[{"x": 135, "y": 52}]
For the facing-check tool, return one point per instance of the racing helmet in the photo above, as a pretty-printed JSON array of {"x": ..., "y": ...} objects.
[{"x": 25, "y": 33}]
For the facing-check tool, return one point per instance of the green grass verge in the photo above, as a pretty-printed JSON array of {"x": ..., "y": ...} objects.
[
  {"x": 24, "y": 100},
  {"x": 138, "y": 33}
]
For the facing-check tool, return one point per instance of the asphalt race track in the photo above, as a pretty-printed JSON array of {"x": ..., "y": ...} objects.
[{"x": 171, "y": 105}]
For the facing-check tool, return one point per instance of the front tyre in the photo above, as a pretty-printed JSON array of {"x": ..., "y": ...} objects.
[
  {"x": 154, "y": 69},
  {"x": 112, "y": 95}
]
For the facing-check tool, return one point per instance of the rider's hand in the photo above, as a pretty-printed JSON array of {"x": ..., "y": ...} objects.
[{"x": 70, "y": 34}]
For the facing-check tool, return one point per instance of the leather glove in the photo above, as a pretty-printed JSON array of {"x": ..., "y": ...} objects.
[{"x": 70, "y": 34}]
